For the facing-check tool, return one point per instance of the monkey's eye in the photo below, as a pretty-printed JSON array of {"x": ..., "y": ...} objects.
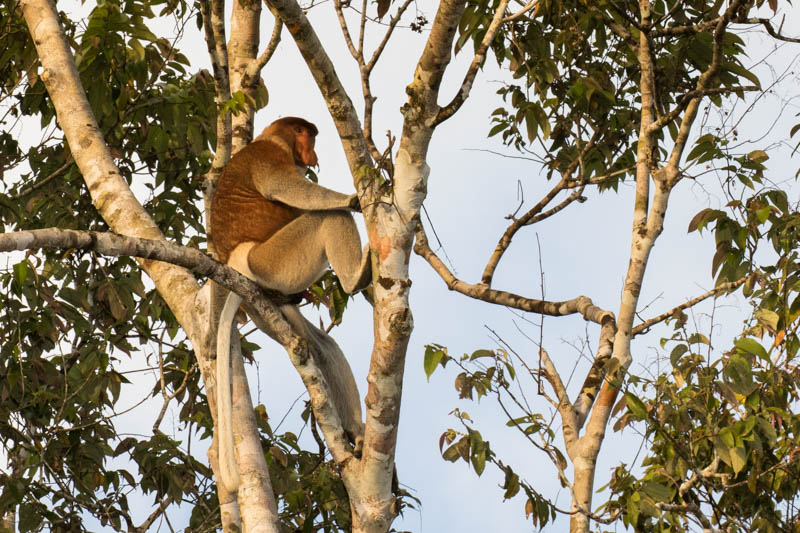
[{"x": 298, "y": 129}]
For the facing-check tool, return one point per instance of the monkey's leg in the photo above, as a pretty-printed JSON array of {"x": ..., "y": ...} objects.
[
  {"x": 289, "y": 262},
  {"x": 343, "y": 249},
  {"x": 293, "y": 258},
  {"x": 297, "y": 255}
]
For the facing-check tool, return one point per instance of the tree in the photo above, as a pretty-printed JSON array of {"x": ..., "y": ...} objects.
[
  {"x": 614, "y": 91},
  {"x": 605, "y": 92}
]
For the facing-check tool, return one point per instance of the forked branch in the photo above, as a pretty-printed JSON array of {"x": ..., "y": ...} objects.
[{"x": 581, "y": 304}]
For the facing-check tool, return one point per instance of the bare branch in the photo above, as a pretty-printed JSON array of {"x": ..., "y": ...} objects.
[
  {"x": 36, "y": 186},
  {"x": 392, "y": 25},
  {"x": 531, "y": 216},
  {"x": 321, "y": 67},
  {"x": 684, "y": 30},
  {"x": 534, "y": 4},
  {"x": 596, "y": 375},
  {"x": 158, "y": 511},
  {"x": 725, "y": 287},
  {"x": 272, "y": 45},
  {"x": 477, "y": 61},
  {"x": 524, "y": 220},
  {"x": 214, "y": 28},
  {"x": 569, "y": 419},
  {"x": 357, "y": 54},
  {"x": 672, "y": 175},
  {"x": 599, "y": 180},
  {"x": 581, "y": 304},
  {"x": 687, "y": 98},
  {"x": 768, "y": 26}
]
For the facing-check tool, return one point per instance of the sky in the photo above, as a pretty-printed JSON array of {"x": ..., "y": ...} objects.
[{"x": 583, "y": 251}]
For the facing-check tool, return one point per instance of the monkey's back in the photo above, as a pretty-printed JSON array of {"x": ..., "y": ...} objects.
[{"x": 239, "y": 213}]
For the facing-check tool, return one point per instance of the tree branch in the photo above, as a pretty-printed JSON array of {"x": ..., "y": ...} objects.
[
  {"x": 703, "y": 84},
  {"x": 480, "y": 54},
  {"x": 725, "y": 287},
  {"x": 534, "y": 4},
  {"x": 272, "y": 45},
  {"x": 569, "y": 421},
  {"x": 597, "y": 374},
  {"x": 319, "y": 63},
  {"x": 531, "y": 216},
  {"x": 581, "y": 304},
  {"x": 691, "y": 95},
  {"x": 768, "y": 26},
  {"x": 204, "y": 266}
]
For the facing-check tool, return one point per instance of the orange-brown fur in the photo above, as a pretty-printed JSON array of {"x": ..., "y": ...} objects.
[
  {"x": 239, "y": 212},
  {"x": 281, "y": 230}
]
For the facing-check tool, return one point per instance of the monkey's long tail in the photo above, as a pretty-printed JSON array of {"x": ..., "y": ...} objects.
[
  {"x": 337, "y": 371},
  {"x": 227, "y": 462}
]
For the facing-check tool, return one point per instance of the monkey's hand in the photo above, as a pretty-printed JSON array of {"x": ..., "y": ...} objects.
[{"x": 354, "y": 203}]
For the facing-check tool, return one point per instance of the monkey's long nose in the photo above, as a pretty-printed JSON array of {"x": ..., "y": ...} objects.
[{"x": 311, "y": 159}]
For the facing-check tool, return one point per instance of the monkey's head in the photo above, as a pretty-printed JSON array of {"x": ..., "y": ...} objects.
[{"x": 298, "y": 133}]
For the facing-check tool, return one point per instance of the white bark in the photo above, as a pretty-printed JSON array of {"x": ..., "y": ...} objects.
[{"x": 120, "y": 209}]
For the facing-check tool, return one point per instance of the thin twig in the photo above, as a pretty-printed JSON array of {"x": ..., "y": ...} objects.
[{"x": 647, "y": 324}]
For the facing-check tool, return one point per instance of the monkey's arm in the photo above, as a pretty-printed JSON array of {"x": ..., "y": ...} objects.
[{"x": 296, "y": 191}]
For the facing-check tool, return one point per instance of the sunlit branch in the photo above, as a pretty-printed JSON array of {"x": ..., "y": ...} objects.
[
  {"x": 697, "y": 93},
  {"x": 581, "y": 304},
  {"x": 768, "y": 26},
  {"x": 725, "y": 287},
  {"x": 362, "y": 29},
  {"x": 599, "y": 180},
  {"x": 597, "y": 373},
  {"x": 568, "y": 418},
  {"x": 392, "y": 25},
  {"x": 321, "y": 67},
  {"x": 704, "y": 81},
  {"x": 357, "y": 55},
  {"x": 685, "y": 30},
  {"x": 366, "y": 71},
  {"x": 214, "y": 28},
  {"x": 530, "y": 5},
  {"x": 477, "y": 61},
  {"x": 272, "y": 45},
  {"x": 528, "y": 218}
]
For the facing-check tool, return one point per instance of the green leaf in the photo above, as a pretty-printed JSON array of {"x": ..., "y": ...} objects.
[
  {"x": 740, "y": 376},
  {"x": 768, "y": 318},
  {"x": 657, "y": 491},
  {"x": 763, "y": 214},
  {"x": 698, "y": 338},
  {"x": 433, "y": 356},
  {"x": 759, "y": 156},
  {"x": 700, "y": 220},
  {"x": 676, "y": 354},
  {"x": 479, "y": 460},
  {"x": 20, "y": 273},
  {"x": 636, "y": 406},
  {"x": 748, "y": 345},
  {"x": 477, "y": 354},
  {"x": 511, "y": 485},
  {"x": 738, "y": 459}
]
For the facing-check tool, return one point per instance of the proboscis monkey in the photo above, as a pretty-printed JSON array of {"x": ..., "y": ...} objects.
[{"x": 281, "y": 230}]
